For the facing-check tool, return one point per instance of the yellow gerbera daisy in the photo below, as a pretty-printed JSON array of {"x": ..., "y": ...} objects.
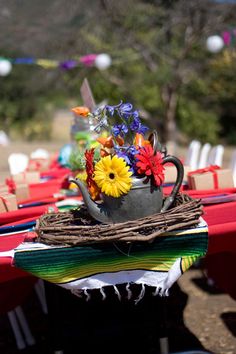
[{"x": 112, "y": 175}]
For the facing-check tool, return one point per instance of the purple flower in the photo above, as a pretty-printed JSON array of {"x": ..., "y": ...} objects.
[
  {"x": 132, "y": 150},
  {"x": 125, "y": 110},
  {"x": 142, "y": 129},
  {"x": 120, "y": 129},
  {"x": 123, "y": 155},
  {"x": 137, "y": 127},
  {"x": 110, "y": 109},
  {"x": 128, "y": 154},
  {"x": 135, "y": 114},
  {"x": 135, "y": 124}
]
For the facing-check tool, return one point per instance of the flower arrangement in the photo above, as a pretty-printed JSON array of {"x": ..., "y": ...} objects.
[{"x": 123, "y": 153}]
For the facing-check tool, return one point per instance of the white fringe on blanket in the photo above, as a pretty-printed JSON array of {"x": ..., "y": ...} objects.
[{"x": 162, "y": 281}]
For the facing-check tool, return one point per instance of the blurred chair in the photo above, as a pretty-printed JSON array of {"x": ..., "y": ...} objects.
[
  {"x": 12, "y": 306},
  {"x": 13, "y": 293},
  {"x": 204, "y": 153},
  {"x": 39, "y": 154},
  {"x": 232, "y": 165},
  {"x": 19, "y": 323},
  {"x": 216, "y": 155},
  {"x": 17, "y": 162},
  {"x": 20, "y": 327},
  {"x": 4, "y": 140},
  {"x": 192, "y": 155},
  {"x": 40, "y": 291}
]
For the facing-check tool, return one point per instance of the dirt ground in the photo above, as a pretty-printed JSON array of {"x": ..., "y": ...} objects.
[{"x": 199, "y": 316}]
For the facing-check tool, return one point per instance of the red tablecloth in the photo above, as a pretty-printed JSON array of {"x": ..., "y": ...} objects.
[
  {"x": 221, "y": 219},
  {"x": 221, "y": 256},
  {"x": 14, "y": 292},
  {"x": 15, "y": 284}
]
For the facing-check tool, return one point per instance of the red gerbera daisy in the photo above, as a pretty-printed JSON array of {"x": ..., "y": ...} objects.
[{"x": 150, "y": 164}]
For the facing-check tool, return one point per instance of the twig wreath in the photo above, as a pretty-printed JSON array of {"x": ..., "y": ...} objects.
[{"x": 77, "y": 227}]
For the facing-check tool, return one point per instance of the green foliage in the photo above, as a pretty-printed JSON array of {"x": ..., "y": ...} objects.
[
  {"x": 76, "y": 159},
  {"x": 23, "y": 108},
  {"x": 157, "y": 48},
  {"x": 197, "y": 123}
]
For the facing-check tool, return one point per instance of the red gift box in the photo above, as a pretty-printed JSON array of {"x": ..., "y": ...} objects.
[
  {"x": 7, "y": 202},
  {"x": 30, "y": 177},
  {"x": 211, "y": 177}
]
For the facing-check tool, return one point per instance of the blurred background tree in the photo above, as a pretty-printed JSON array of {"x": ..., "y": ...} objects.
[{"x": 159, "y": 63}]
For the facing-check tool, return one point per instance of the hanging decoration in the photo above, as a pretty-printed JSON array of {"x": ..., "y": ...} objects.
[
  {"x": 100, "y": 61},
  {"x": 214, "y": 44},
  {"x": 5, "y": 67}
]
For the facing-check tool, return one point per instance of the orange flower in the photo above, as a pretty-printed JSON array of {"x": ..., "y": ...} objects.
[
  {"x": 81, "y": 111},
  {"x": 120, "y": 140},
  {"x": 104, "y": 152},
  {"x": 109, "y": 141},
  {"x": 94, "y": 191},
  {"x": 106, "y": 142},
  {"x": 139, "y": 140}
]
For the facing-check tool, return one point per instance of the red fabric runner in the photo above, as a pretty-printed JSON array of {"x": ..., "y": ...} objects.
[
  {"x": 26, "y": 213},
  {"x": 9, "y": 297}
]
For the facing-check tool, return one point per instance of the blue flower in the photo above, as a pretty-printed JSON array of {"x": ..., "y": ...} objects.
[
  {"x": 124, "y": 156},
  {"x": 120, "y": 129},
  {"x": 132, "y": 150},
  {"x": 135, "y": 114},
  {"x": 137, "y": 127},
  {"x": 142, "y": 129},
  {"x": 125, "y": 110},
  {"x": 110, "y": 109}
]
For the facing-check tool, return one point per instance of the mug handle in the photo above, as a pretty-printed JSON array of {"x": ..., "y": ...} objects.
[{"x": 180, "y": 175}]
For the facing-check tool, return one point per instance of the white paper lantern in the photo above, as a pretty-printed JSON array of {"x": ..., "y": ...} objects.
[
  {"x": 102, "y": 61},
  {"x": 214, "y": 44},
  {"x": 5, "y": 67}
]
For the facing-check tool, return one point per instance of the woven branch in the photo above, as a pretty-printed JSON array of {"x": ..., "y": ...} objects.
[{"x": 77, "y": 227}]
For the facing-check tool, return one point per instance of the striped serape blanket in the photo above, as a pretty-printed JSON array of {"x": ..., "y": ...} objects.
[{"x": 158, "y": 264}]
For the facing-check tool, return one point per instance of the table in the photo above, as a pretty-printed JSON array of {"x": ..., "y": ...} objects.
[
  {"x": 221, "y": 220},
  {"x": 106, "y": 268}
]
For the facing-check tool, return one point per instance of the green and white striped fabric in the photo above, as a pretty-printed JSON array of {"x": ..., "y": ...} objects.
[{"x": 158, "y": 264}]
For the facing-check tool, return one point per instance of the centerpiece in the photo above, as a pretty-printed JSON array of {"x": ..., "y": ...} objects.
[{"x": 123, "y": 177}]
